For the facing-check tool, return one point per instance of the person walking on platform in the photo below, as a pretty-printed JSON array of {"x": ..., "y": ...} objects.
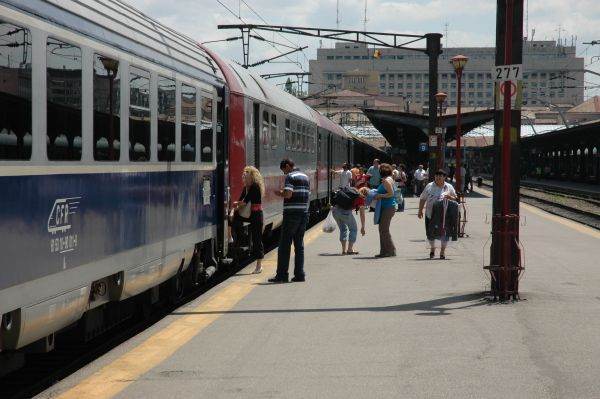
[
  {"x": 295, "y": 194},
  {"x": 249, "y": 209},
  {"x": 420, "y": 178},
  {"x": 374, "y": 175},
  {"x": 385, "y": 211},
  {"x": 346, "y": 200},
  {"x": 401, "y": 184},
  {"x": 345, "y": 175},
  {"x": 435, "y": 191}
]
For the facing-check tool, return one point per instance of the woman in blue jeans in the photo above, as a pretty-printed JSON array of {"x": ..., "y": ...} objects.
[{"x": 347, "y": 224}]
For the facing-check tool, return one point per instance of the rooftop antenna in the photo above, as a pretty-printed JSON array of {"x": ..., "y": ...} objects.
[
  {"x": 527, "y": 19},
  {"x": 365, "y": 20},
  {"x": 337, "y": 14},
  {"x": 446, "y": 35},
  {"x": 532, "y": 33}
]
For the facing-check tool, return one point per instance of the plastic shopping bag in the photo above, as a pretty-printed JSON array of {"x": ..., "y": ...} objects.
[{"x": 329, "y": 225}]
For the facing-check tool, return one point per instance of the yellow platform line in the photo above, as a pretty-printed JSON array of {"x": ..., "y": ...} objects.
[
  {"x": 119, "y": 374},
  {"x": 581, "y": 228}
]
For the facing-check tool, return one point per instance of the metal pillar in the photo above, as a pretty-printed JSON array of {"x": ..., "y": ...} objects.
[
  {"x": 246, "y": 46},
  {"x": 505, "y": 256},
  {"x": 458, "y": 153},
  {"x": 434, "y": 49}
]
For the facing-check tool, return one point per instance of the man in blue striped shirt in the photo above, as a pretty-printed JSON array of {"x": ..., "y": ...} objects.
[{"x": 295, "y": 194}]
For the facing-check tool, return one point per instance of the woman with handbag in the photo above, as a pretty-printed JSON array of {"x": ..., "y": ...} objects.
[{"x": 249, "y": 209}]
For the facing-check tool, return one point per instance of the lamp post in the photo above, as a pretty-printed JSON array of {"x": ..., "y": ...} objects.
[
  {"x": 458, "y": 62},
  {"x": 440, "y": 98}
]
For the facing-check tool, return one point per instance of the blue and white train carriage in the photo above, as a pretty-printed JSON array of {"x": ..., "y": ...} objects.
[{"x": 109, "y": 180}]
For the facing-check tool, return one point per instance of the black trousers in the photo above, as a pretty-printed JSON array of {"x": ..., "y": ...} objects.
[{"x": 255, "y": 229}]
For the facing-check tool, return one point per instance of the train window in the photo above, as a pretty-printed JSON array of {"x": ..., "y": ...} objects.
[
  {"x": 166, "y": 119},
  {"x": 63, "y": 87},
  {"x": 188, "y": 123},
  {"x": 15, "y": 98},
  {"x": 107, "y": 121},
  {"x": 206, "y": 132},
  {"x": 139, "y": 115},
  {"x": 294, "y": 135},
  {"x": 304, "y": 138},
  {"x": 274, "y": 131},
  {"x": 288, "y": 135},
  {"x": 299, "y": 137},
  {"x": 265, "y": 130}
]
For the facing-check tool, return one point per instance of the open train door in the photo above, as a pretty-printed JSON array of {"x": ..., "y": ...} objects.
[{"x": 222, "y": 189}]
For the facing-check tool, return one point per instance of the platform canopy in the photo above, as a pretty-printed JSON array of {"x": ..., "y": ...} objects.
[{"x": 406, "y": 132}]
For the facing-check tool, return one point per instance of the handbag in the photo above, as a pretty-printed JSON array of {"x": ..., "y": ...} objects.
[{"x": 246, "y": 210}]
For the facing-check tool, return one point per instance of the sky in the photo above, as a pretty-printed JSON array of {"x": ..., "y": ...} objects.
[{"x": 463, "y": 23}]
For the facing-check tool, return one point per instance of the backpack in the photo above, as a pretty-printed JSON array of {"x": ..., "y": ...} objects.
[{"x": 344, "y": 198}]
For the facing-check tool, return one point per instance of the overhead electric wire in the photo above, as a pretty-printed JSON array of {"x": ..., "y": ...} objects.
[
  {"x": 265, "y": 21},
  {"x": 259, "y": 35}
]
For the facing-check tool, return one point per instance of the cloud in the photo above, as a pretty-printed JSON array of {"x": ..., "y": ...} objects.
[{"x": 471, "y": 23}]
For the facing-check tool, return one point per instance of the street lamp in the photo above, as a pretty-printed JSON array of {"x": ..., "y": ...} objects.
[
  {"x": 440, "y": 98},
  {"x": 458, "y": 62}
]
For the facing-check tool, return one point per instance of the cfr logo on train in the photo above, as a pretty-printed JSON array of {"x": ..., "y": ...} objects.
[{"x": 59, "y": 225}]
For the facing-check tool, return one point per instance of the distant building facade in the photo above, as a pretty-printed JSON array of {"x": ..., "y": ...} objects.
[{"x": 553, "y": 74}]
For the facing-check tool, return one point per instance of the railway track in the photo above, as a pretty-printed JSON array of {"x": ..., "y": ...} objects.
[
  {"x": 575, "y": 205},
  {"x": 41, "y": 371}
]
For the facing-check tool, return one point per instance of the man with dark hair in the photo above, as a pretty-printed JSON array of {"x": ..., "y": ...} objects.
[
  {"x": 374, "y": 176},
  {"x": 295, "y": 194}
]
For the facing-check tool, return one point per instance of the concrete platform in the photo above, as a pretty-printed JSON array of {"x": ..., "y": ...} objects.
[{"x": 404, "y": 327}]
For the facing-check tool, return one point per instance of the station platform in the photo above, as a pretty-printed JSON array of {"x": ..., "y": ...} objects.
[{"x": 360, "y": 327}]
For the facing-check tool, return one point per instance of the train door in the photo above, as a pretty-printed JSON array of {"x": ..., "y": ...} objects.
[
  {"x": 256, "y": 126},
  {"x": 222, "y": 188}
]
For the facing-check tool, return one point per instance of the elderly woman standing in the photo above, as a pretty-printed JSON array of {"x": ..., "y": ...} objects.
[
  {"x": 254, "y": 189},
  {"x": 388, "y": 205},
  {"x": 437, "y": 190}
]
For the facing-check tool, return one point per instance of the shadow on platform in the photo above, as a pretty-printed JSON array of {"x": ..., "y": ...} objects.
[{"x": 434, "y": 307}]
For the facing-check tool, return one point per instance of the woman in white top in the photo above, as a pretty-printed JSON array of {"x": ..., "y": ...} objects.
[{"x": 437, "y": 190}]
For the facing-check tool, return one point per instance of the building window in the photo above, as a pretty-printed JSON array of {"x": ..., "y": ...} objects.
[
  {"x": 206, "y": 134},
  {"x": 330, "y": 57},
  {"x": 139, "y": 115},
  {"x": 188, "y": 123},
  {"x": 166, "y": 120},
  {"x": 15, "y": 102},
  {"x": 444, "y": 76},
  {"x": 471, "y": 85},
  {"x": 107, "y": 121},
  {"x": 63, "y": 85},
  {"x": 480, "y": 76}
]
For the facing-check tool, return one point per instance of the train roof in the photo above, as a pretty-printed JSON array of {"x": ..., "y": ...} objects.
[
  {"x": 116, "y": 23},
  {"x": 252, "y": 85}
]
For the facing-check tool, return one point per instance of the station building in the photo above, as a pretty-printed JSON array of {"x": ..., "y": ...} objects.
[{"x": 553, "y": 73}]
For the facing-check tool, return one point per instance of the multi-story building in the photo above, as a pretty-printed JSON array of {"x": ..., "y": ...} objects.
[{"x": 552, "y": 73}]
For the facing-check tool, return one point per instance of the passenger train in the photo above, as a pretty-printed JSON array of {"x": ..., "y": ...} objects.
[{"x": 122, "y": 145}]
